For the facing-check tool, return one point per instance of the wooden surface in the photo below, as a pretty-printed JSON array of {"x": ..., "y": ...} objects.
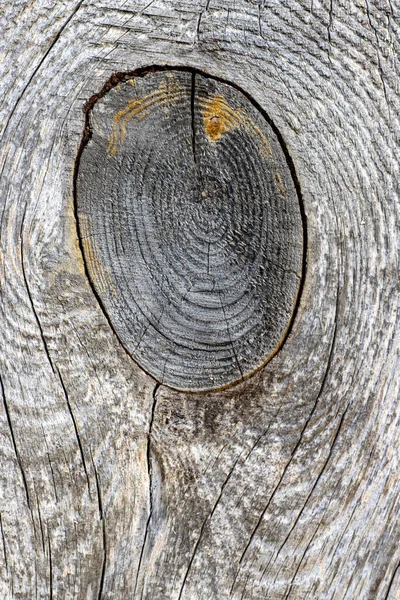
[
  {"x": 285, "y": 486},
  {"x": 190, "y": 226}
]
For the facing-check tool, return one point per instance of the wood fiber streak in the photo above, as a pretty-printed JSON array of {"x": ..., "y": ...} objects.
[
  {"x": 190, "y": 226},
  {"x": 283, "y": 487}
]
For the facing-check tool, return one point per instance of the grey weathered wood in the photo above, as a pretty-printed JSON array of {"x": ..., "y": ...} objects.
[
  {"x": 284, "y": 486},
  {"x": 190, "y": 226}
]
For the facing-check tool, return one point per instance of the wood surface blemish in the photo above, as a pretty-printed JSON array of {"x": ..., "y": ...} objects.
[
  {"x": 168, "y": 91},
  {"x": 218, "y": 117},
  {"x": 104, "y": 279},
  {"x": 280, "y": 184}
]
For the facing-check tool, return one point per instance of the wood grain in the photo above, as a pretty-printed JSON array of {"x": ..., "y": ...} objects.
[
  {"x": 285, "y": 486},
  {"x": 190, "y": 225}
]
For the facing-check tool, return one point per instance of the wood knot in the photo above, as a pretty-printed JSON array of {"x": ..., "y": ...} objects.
[{"x": 190, "y": 226}]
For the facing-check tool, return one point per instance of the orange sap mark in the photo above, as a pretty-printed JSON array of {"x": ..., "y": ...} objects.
[
  {"x": 219, "y": 118},
  {"x": 168, "y": 91}
]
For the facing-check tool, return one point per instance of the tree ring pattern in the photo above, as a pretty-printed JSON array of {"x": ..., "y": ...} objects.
[{"x": 190, "y": 225}]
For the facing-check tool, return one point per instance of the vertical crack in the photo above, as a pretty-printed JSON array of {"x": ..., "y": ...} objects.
[
  {"x": 46, "y": 349},
  {"x": 205, "y": 522},
  {"x": 50, "y": 569},
  {"x": 294, "y": 451},
  {"x": 40, "y": 523},
  {"x": 391, "y": 581},
  {"x": 330, "y": 21},
  {"x": 4, "y": 543},
  {"x": 14, "y": 444},
  {"x": 50, "y": 464},
  {"x": 101, "y": 514},
  {"x": 75, "y": 428},
  {"x": 205, "y": 9},
  {"x": 150, "y": 476},
  {"x": 300, "y": 562}
]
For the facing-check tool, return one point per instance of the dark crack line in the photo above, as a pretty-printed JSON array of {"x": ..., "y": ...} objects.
[
  {"x": 4, "y": 543},
  {"x": 205, "y": 522},
  {"x": 312, "y": 412},
  {"x": 52, "y": 475},
  {"x": 14, "y": 444},
  {"x": 46, "y": 349},
  {"x": 150, "y": 476},
  {"x": 228, "y": 16},
  {"x": 260, "y": 32},
  {"x": 300, "y": 562},
  {"x": 214, "y": 459},
  {"x": 391, "y": 9},
  {"x": 325, "y": 377},
  {"x": 330, "y": 22},
  {"x": 312, "y": 491},
  {"x": 343, "y": 533},
  {"x": 103, "y": 567},
  {"x": 391, "y": 581},
  {"x": 76, "y": 429},
  {"x": 143, "y": 9},
  {"x": 50, "y": 463},
  {"x": 40, "y": 524},
  {"x": 53, "y": 43},
  {"x": 50, "y": 568},
  {"x": 260, "y": 437},
  {"x": 200, "y": 19},
  {"x": 312, "y": 537},
  {"x": 102, "y": 519}
]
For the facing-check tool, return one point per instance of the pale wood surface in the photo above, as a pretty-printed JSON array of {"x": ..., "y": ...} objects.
[{"x": 285, "y": 486}]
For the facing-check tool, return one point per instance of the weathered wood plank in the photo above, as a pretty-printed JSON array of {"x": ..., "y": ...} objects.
[{"x": 284, "y": 486}]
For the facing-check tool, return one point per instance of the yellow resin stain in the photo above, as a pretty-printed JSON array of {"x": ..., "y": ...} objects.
[
  {"x": 280, "y": 184},
  {"x": 104, "y": 281},
  {"x": 219, "y": 118},
  {"x": 169, "y": 91}
]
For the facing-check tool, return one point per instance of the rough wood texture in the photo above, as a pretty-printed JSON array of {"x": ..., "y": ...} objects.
[
  {"x": 190, "y": 227},
  {"x": 285, "y": 486}
]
